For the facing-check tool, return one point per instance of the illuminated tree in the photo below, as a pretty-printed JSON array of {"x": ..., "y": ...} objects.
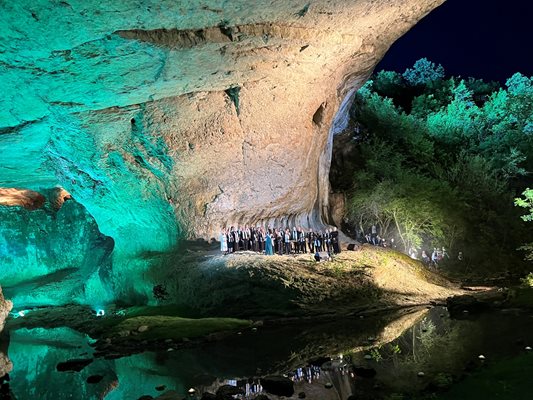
[{"x": 423, "y": 72}]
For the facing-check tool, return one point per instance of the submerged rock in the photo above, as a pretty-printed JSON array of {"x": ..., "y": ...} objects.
[
  {"x": 94, "y": 379},
  {"x": 226, "y": 392},
  {"x": 73, "y": 365},
  {"x": 461, "y": 305},
  {"x": 278, "y": 385},
  {"x": 365, "y": 372}
]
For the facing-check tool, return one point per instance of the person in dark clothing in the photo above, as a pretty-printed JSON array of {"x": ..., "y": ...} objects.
[
  {"x": 230, "y": 239},
  {"x": 318, "y": 241},
  {"x": 246, "y": 238},
  {"x": 260, "y": 240},
  {"x": 301, "y": 241},
  {"x": 253, "y": 239},
  {"x": 311, "y": 241},
  {"x": 327, "y": 241},
  {"x": 335, "y": 241}
]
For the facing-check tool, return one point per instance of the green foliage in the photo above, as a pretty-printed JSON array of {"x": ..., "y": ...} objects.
[
  {"x": 527, "y": 202},
  {"x": 439, "y": 161},
  {"x": 376, "y": 354},
  {"x": 528, "y": 280},
  {"x": 388, "y": 83},
  {"x": 423, "y": 72}
]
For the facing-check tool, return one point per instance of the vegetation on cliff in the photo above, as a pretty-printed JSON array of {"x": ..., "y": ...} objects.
[{"x": 437, "y": 161}]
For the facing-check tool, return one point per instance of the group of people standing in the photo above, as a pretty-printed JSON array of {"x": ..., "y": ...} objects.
[
  {"x": 278, "y": 240},
  {"x": 433, "y": 259}
]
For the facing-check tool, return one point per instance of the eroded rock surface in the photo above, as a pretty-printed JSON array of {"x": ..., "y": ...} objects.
[
  {"x": 174, "y": 118},
  {"x": 53, "y": 256},
  {"x": 5, "y": 308}
]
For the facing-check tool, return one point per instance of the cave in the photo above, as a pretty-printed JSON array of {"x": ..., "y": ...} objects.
[
  {"x": 131, "y": 133},
  {"x": 121, "y": 147}
]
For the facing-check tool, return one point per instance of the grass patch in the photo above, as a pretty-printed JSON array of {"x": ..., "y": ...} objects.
[{"x": 167, "y": 327}]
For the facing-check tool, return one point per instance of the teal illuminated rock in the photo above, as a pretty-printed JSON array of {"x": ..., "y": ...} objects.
[{"x": 54, "y": 256}]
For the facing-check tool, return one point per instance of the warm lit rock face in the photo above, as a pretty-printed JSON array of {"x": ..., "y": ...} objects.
[{"x": 169, "y": 118}]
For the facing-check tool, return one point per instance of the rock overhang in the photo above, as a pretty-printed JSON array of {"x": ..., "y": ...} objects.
[{"x": 169, "y": 119}]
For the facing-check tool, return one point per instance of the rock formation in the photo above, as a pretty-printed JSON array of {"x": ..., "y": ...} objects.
[
  {"x": 174, "y": 118},
  {"x": 5, "y": 308},
  {"x": 52, "y": 256}
]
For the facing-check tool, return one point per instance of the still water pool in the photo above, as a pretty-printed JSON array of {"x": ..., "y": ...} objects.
[{"x": 418, "y": 354}]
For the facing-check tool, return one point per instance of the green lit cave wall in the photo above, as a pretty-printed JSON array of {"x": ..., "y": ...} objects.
[{"x": 54, "y": 256}]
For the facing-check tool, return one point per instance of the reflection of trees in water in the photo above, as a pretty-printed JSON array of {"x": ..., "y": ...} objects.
[{"x": 435, "y": 346}]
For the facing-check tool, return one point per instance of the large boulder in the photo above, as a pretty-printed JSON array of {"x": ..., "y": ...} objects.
[
  {"x": 5, "y": 364},
  {"x": 278, "y": 385},
  {"x": 459, "y": 306},
  {"x": 54, "y": 254}
]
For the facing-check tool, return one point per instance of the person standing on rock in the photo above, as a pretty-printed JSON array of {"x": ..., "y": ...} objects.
[
  {"x": 301, "y": 241},
  {"x": 268, "y": 245},
  {"x": 327, "y": 241},
  {"x": 335, "y": 240},
  {"x": 253, "y": 238},
  {"x": 287, "y": 241},
  {"x": 236, "y": 239},
  {"x": 311, "y": 241},
  {"x": 435, "y": 257},
  {"x": 280, "y": 237},
  {"x": 223, "y": 241},
  {"x": 246, "y": 238},
  {"x": 261, "y": 239},
  {"x": 318, "y": 241}
]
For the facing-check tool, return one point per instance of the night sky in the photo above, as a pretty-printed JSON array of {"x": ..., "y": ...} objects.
[{"x": 485, "y": 39}]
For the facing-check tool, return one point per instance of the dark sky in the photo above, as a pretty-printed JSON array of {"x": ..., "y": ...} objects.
[{"x": 485, "y": 39}]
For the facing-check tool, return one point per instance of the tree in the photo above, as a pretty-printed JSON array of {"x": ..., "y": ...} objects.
[
  {"x": 423, "y": 72},
  {"x": 388, "y": 83},
  {"x": 527, "y": 202}
]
